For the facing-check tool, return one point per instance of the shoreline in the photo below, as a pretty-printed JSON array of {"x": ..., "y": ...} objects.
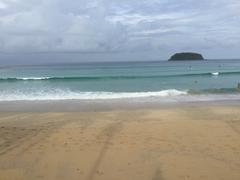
[{"x": 104, "y": 105}]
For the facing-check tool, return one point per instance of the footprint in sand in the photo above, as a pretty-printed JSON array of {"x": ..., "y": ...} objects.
[{"x": 100, "y": 172}]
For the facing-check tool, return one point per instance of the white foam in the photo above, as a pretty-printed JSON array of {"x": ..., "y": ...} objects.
[
  {"x": 70, "y": 95},
  {"x": 215, "y": 73},
  {"x": 33, "y": 78}
]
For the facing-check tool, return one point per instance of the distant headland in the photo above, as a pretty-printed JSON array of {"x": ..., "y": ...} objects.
[{"x": 185, "y": 56}]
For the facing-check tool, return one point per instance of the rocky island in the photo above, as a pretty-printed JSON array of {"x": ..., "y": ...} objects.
[{"x": 186, "y": 56}]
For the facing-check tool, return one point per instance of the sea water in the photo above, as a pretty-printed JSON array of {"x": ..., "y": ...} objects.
[{"x": 118, "y": 80}]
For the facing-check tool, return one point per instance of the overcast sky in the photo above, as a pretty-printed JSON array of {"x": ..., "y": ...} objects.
[{"x": 35, "y": 31}]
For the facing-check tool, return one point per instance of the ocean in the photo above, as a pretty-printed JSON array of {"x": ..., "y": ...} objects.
[{"x": 163, "y": 80}]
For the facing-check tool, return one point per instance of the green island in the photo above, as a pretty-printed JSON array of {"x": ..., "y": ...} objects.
[{"x": 186, "y": 56}]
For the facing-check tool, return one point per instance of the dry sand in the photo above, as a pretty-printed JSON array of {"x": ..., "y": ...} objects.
[{"x": 197, "y": 143}]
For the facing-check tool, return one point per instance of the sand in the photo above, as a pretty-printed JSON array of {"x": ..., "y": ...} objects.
[{"x": 172, "y": 143}]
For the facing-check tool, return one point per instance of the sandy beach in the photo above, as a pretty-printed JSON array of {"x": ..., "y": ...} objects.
[{"x": 172, "y": 143}]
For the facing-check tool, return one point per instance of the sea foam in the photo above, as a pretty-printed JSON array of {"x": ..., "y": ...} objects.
[
  {"x": 33, "y": 78},
  {"x": 70, "y": 95}
]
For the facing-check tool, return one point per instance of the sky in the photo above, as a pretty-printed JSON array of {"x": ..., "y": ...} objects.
[{"x": 48, "y": 31}]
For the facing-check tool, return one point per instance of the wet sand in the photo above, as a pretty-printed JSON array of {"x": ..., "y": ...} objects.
[{"x": 171, "y": 143}]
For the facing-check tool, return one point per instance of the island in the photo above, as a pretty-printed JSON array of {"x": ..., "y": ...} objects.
[{"x": 185, "y": 56}]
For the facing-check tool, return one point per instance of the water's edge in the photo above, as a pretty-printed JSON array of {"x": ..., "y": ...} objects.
[{"x": 107, "y": 105}]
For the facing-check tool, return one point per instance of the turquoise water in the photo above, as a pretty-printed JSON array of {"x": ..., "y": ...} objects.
[{"x": 119, "y": 80}]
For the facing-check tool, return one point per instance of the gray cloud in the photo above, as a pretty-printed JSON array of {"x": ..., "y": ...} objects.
[{"x": 155, "y": 27}]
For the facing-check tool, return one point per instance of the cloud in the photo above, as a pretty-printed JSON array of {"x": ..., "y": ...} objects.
[
  {"x": 103, "y": 26},
  {"x": 57, "y": 26}
]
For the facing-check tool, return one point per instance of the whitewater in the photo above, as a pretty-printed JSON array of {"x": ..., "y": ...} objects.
[{"x": 122, "y": 80}]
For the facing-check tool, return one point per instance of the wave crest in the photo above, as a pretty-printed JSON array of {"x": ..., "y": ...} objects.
[
  {"x": 89, "y": 78},
  {"x": 70, "y": 95}
]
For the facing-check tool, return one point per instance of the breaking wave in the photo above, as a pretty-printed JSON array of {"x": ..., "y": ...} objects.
[
  {"x": 70, "y": 95},
  {"x": 116, "y": 77}
]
